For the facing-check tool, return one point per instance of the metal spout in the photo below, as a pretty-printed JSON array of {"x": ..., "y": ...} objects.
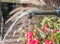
[{"x": 44, "y": 12}]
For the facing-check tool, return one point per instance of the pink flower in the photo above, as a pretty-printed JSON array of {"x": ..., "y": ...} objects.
[
  {"x": 30, "y": 35},
  {"x": 37, "y": 41},
  {"x": 56, "y": 30},
  {"x": 47, "y": 26},
  {"x": 44, "y": 30},
  {"x": 47, "y": 41},
  {"x": 33, "y": 41},
  {"x": 54, "y": 39}
]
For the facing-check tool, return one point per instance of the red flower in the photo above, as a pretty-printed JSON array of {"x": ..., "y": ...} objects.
[
  {"x": 54, "y": 38},
  {"x": 47, "y": 26},
  {"x": 47, "y": 41},
  {"x": 33, "y": 41},
  {"x": 37, "y": 41},
  {"x": 30, "y": 35},
  {"x": 44, "y": 29},
  {"x": 56, "y": 30}
]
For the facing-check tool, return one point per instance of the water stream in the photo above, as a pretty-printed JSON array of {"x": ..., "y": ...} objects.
[
  {"x": 28, "y": 25},
  {"x": 13, "y": 24}
]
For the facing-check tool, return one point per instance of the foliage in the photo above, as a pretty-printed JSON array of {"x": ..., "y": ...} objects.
[{"x": 48, "y": 33}]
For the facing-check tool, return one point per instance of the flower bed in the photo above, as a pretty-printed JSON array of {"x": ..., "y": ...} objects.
[{"x": 47, "y": 33}]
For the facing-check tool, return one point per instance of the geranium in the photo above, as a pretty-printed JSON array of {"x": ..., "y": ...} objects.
[
  {"x": 56, "y": 30},
  {"x": 47, "y": 26},
  {"x": 47, "y": 41},
  {"x": 43, "y": 29},
  {"x": 54, "y": 39},
  {"x": 37, "y": 41},
  {"x": 48, "y": 33},
  {"x": 33, "y": 41},
  {"x": 29, "y": 35}
]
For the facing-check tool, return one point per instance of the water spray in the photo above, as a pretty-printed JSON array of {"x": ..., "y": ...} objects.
[{"x": 32, "y": 13}]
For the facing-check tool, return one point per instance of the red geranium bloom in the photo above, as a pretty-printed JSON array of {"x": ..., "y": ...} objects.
[
  {"x": 37, "y": 41},
  {"x": 44, "y": 29},
  {"x": 47, "y": 41},
  {"x": 33, "y": 41},
  {"x": 30, "y": 35},
  {"x": 56, "y": 30},
  {"x": 47, "y": 26}
]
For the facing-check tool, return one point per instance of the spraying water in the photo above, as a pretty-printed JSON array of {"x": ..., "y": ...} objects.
[
  {"x": 28, "y": 24},
  {"x": 14, "y": 23}
]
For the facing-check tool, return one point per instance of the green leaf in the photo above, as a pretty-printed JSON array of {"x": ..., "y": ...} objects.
[
  {"x": 57, "y": 42},
  {"x": 21, "y": 38},
  {"x": 58, "y": 36},
  {"x": 41, "y": 42}
]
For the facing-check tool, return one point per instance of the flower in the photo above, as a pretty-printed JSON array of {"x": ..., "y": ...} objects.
[
  {"x": 43, "y": 29},
  {"x": 37, "y": 41},
  {"x": 56, "y": 30},
  {"x": 47, "y": 41},
  {"x": 54, "y": 39},
  {"x": 48, "y": 29},
  {"x": 33, "y": 41},
  {"x": 47, "y": 26},
  {"x": 30, "y": 35}
]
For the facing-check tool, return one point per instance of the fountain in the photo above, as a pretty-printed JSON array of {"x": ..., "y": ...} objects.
[{"x": 31, "y": 13}]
